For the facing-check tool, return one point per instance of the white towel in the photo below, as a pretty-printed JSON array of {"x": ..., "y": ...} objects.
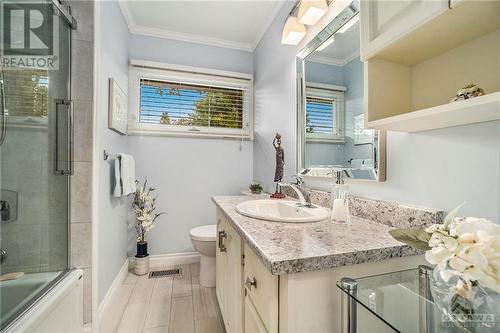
[
  {"x": 124, "y": 175},
  {"x": 118, "y": 178}
]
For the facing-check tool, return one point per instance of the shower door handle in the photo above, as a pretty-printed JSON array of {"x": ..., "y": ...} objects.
[
  {"x": 3, "y": 105},
  {"x": 64, "y": 137}
]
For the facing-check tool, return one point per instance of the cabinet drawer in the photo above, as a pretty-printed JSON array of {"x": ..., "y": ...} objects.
[{"x": 261, "y": 289}]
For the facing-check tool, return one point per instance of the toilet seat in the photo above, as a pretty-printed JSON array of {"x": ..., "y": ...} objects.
[{"x": 205, "y": 233}]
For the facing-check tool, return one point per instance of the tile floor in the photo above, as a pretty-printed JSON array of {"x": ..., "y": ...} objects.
[{"x": 168, "y": 304}]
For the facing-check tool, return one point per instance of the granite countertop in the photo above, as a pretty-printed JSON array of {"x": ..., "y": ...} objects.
[{"x": 287, "y": 248}]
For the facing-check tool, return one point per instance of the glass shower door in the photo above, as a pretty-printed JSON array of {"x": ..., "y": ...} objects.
[{"x": 35, "y": 153}]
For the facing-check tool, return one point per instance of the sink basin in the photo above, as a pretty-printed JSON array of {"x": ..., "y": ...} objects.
[{"x": 281, "y": 211}]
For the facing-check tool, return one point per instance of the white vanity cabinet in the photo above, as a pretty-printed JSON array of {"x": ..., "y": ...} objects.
[
  {"x": 254, "y": 300},
  {"x": 383, "y": 22},
  {"x": 229, "y": 284}
]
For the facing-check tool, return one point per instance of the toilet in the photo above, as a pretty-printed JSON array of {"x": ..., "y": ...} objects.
[{"x": 203, "y": 239}]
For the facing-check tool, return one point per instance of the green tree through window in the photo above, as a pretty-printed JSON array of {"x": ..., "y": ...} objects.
[
  {"x": 27, "y": 92},
  {"x": 216, "y": 109}
]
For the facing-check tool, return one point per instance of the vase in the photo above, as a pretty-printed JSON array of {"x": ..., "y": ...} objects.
[
  {"x": 142, "y": 249},
  {"x": 476, "y": 312},
  {"x": 142, "y": 259}
]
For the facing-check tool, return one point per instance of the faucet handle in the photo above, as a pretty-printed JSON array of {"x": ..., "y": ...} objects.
[{"x": 298, "y": 180}]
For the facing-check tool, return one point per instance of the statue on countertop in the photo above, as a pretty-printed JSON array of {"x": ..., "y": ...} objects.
[{"x": 280, "y": 162}]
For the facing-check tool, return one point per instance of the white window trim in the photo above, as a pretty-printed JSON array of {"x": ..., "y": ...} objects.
[
  {"x": 329, "y": 92},
  {"x": 154, "y": 70}
]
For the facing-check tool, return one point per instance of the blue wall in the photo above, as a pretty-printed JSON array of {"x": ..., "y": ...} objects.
[
  {"x": 189, "y": 54},
  {"x": 113, "y": 213}
]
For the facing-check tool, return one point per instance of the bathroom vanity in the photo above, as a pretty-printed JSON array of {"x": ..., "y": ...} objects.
[{"x": 281, "y": 277}]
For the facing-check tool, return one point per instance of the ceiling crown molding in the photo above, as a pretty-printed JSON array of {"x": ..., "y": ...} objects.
[
  {"x": 333, "y": 61},
  {"x": 194, "y": 38}
]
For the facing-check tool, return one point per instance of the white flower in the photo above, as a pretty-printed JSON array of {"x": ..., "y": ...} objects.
[
  {"x": 473, "y": 224},
  {"x": 436, "y": 228},
  {"x": 439, "y": 239},
  {"x": 438, "y": 255},
  {"x": 470, "y": 250}
]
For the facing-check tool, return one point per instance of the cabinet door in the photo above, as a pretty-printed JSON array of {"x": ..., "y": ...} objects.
[
  {"x": 262, "y": 289},
  {"x": 383, "y": 22},
  {"x": 234, "y": 281},
  {"x": 253, "y": 324},
  {"x": 220, "y": 266}
]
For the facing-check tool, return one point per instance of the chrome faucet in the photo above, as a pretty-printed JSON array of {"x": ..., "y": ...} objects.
[{"x": 302, "y": 191}]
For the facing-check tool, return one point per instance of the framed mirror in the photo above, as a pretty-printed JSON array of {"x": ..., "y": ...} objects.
[{"x": 331, "y": 126}]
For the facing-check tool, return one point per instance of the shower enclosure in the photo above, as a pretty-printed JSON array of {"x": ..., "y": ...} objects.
[{"x": 35, "y": 151}]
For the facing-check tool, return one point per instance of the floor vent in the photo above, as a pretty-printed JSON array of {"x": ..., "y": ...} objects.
[{"x": 165, "y": 272}]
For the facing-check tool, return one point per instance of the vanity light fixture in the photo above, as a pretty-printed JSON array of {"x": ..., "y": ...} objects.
[
  {"x": 311, "y": 11},
  {"x": 349, "y": 24},
  {"x": 327, "y": 43},
  {"x": 293, "y": 31}
]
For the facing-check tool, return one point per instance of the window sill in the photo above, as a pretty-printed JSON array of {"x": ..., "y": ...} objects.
[{"x": 185, "y": 134}]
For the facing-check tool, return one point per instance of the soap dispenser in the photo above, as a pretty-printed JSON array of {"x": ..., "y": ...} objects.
[{"x": 340, "y": 202}]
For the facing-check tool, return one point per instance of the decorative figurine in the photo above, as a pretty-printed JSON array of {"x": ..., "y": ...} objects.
[
  {"x": 469, "y": 91},
  {"x": 280, "y": 162}
]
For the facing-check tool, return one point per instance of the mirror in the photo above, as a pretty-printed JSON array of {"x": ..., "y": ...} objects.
[{"x": 331, "y": 125}]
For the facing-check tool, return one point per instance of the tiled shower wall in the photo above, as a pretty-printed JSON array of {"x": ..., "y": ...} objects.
[{"x": 81, "y": 182}]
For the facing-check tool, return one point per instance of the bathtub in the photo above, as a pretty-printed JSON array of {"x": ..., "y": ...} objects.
[{"x": 57, "y": 309}]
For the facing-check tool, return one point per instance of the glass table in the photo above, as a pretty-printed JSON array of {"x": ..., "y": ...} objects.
[{"x": 394, "y": 302}]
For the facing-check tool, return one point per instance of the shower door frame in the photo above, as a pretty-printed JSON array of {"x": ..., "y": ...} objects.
[{"x": 62, "y": 9}]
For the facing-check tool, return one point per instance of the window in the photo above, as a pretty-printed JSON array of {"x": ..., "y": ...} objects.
[
  {"x": 324, "y": 115},
  {"x": 178, "y": 100},
  {"x": 27, "y": 93}
]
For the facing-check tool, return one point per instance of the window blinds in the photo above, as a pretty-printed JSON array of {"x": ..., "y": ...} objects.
[
  {"x": 319, "y": 115},
  {"x": 195, "y": 105},
  {"x": 26, "y": 92}
]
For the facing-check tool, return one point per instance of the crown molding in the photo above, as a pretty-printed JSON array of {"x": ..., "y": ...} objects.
[
  {"x": 191, "y": 38},
  {"x": 333, "y": 61},
  {"x": 325, "y": 60},
  {"x": 194, "y": 38},
  {"x": 126, "y": 14},
  {"x": 352, "y": 56}
]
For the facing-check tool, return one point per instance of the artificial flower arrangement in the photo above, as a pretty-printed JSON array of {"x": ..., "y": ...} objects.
[
  {"x": 466, "y": 252},
  {"x": 144, "y": 209}
]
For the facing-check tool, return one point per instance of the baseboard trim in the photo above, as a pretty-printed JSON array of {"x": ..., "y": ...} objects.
[
  {"x": 172, "y": 259},
  {"x": 110, "y": 295}
]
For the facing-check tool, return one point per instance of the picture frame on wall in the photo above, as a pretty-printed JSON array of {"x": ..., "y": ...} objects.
[
  {"x": 362, "y": 135},
  {"x": 117, "y": 112}
]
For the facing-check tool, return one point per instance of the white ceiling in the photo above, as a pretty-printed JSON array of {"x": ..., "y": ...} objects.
[
  {"x": 344, "y": 48},
  {"x": 232, "y": 24}
]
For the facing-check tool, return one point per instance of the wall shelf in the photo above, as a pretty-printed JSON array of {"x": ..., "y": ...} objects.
[
  {"x": 473, "y": 110},
  {"x": 409, "y": 82}
]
